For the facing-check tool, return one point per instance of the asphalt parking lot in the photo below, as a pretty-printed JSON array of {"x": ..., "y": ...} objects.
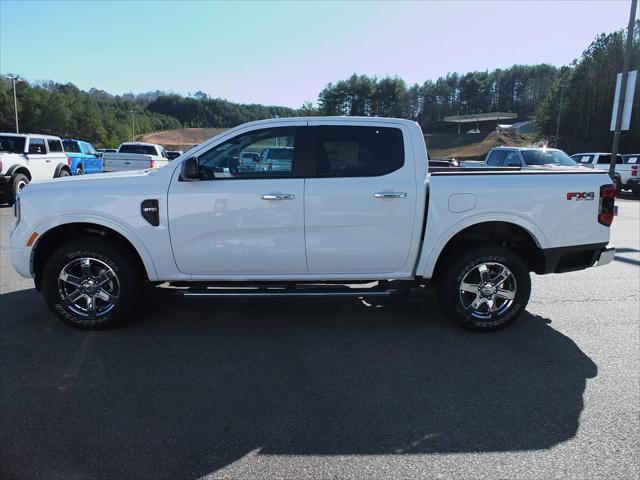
[{"x": 329, "y": 388}]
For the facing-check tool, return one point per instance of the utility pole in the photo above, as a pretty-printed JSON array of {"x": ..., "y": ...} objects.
[
  {"x": 623, "y": 89},
  {"x": 558, "y": 121},
  {"x": 133, "y": 126},
  {"x": 15, "y": 79}
]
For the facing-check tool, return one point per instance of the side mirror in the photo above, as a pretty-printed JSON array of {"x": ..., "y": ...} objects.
[
  {"x": 99, "y": 154},
  {"x": 190, "y": 170}
]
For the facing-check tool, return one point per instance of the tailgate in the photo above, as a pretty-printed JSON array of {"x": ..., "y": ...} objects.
[{"x": 120, "y": 162}]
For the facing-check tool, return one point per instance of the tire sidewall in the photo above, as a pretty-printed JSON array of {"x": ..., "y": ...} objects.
[
  {"x": 15, "y": 186},
  {"x": 121, "y": 265},
  {"x": 466, "y": 263}
]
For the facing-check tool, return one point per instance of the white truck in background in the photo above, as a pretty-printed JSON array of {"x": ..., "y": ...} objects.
[
  {"x": 527, "y": 158},
  {"x": 600, "y": 161},
  {"x": 28, "y": 157},
  {"x": 135, "y": 156},
  {"x": 356, "y": 212}
]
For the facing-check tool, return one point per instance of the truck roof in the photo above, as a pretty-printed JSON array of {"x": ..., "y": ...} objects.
[
  {"x": 141, "y": 143},
  {"x": 35, "y": 135},
  {"x": 527, "y": 148}
]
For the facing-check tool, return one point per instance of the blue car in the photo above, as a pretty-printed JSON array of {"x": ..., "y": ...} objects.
[{"x": 82, "y": 157}]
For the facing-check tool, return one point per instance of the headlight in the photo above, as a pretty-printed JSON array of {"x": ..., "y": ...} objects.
[{"x": 16, "y": 210}]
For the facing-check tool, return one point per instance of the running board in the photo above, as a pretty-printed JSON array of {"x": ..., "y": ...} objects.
[{"x": 286, "y": 292}]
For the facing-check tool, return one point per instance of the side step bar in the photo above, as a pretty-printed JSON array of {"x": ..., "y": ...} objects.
[{"x": 287, "y": 291}]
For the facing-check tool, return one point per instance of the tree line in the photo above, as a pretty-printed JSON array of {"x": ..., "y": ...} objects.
[
  {"x": 518, "y": 89},
  {"x": 530, "y": 91},
  {"x": 587, "y": 88},
  {"x": 65, "y": 110}
]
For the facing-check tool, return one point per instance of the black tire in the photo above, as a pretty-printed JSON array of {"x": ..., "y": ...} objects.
[
  {"x": 635, "y": 191},
  {"x": 17, "y": 183},
  {"x": 467, "y": 266},
  {"x": 79, "y": 171},
  {"x": 123, "y": 293}
]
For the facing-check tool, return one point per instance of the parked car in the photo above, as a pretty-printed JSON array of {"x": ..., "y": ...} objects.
[
  {"x": 528, "y": 158},
  {"x": 26, "y": 158},
  {"x": 248, "y": 161},
  {"x": 173, "y": 154},
  {"x": 135, "y": 156},
  {"x": 346, "y": 218},
  {"x": 276, "y": 159},
  {"x": 623, "y": 171},
  {"x": 106, "y": 150},
  {"x": 82, "y": 157}
]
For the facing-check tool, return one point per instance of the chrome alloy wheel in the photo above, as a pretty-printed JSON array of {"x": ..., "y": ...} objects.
[
  {"x": 88, "y": 287},
  {"x": 487, "y": 289}
]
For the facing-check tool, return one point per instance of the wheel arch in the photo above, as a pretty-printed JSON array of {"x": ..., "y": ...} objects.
[
  {"x": 514, "y": 235},
  {"x": 19, "y": 169},
  {"x": 56, "y": 236},
  {"x": 61, "y": 167}
]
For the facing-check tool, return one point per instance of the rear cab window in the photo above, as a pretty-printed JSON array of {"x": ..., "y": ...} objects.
[
  {"x": 139, "y": 149},
  {"x": 71, "y": 146}
]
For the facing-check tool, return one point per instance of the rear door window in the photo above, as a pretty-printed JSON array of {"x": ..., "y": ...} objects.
[
  {"x": 496, "y": 158},
  {"x": 607, "y": 159},
  {"x": 512, "y": 159},
  {"x": 346, "y": 151}
]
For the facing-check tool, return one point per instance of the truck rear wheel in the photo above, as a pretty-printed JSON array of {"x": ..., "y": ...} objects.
[
  {"x": 484, "y": 289},
  {"x": 92, "y": 284}
]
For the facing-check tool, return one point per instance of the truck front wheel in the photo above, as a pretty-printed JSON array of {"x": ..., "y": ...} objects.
[
  {"x": 484, "y": 289},
  {"x": 92, "y": 284},
  {"x": 15, "y": 186}
]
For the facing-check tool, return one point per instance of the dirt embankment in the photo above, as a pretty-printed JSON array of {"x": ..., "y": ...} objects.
[
  {"x": 475, "y": 146},
  {"x": 181, "y": 139}
]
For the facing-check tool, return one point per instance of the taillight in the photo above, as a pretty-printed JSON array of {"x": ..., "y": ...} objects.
[
  {"x": 606, "y": 209},
  {"x": 69, "y": 159},
  {"x": 634, "y": 170},
  {"x": 151, "y": 163}
]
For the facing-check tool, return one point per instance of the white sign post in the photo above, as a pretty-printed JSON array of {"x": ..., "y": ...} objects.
[{"x": 628, "y": 101}]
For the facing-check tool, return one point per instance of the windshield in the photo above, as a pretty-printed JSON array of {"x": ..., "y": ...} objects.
[
  {"x": 11, "y": 144},
  {"x": 548, "y": 157},
  {"x": 142, "y": 149},
  {"x": 71, "y": 146}
]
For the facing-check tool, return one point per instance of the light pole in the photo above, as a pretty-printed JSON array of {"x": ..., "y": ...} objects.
[
  {"x": 558, "y": 120},
  {"x": 14, "y": 79},
  {"x": 133, "y": 125},
  {"x": 623, "y": 89}
]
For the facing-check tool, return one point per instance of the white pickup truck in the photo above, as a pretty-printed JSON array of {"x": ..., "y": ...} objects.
[
  {"x": 135, "y": 156},
  {"x": 528, "y": 158},
  {"x": 358, "y": 213},
  {"x": 27, "y": 157},
  {"x": 623, "y": 171}
]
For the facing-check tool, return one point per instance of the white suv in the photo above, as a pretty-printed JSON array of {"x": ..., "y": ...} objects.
[{"x": 28, "y": 158}]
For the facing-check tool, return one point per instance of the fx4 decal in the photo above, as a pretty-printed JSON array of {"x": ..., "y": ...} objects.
[{"x": 581, "y": 196}]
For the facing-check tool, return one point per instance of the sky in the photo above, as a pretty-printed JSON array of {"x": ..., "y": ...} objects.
[{"x": 284, "y": 53}]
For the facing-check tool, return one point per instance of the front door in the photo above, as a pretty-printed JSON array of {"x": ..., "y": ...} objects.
[
  {"x": 245, "y": 216},
  {"x": 40, "y": 164},
  {"x": 360, "y": 208}
]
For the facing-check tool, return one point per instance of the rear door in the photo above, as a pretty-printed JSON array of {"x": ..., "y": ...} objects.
[
  {"x": 41, "y": 165},
  {"x": 360, "y": 200},
  {"x": 237, "y": 222}
]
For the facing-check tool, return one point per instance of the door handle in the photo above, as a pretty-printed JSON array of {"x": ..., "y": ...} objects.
[
  {"x": 389, "y": 195},
  {"x": 48, "y": 160},
  {"x": 278, "y": 196}
]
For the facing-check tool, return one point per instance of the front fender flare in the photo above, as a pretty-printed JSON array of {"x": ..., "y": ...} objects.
[{"x": 53, "y": 222}]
